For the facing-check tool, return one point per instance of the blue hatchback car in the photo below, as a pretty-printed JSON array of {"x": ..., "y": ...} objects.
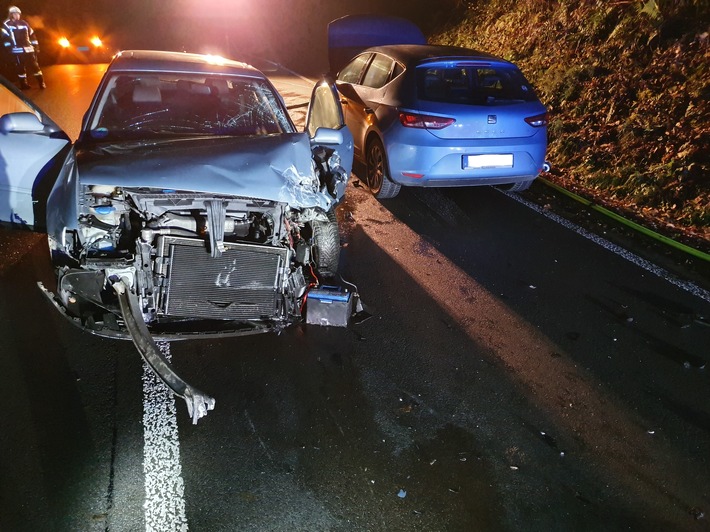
[{"x": 441, "y": 116}]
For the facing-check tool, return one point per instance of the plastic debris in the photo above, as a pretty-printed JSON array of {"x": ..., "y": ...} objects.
[
  {"x": 697, "y": 513},
  {"x": 402, "y": 494}
]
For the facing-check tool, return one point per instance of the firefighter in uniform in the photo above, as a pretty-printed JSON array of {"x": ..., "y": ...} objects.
[{"x": 20, "y": 44}]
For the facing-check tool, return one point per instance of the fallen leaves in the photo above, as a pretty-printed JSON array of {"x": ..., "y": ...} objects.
[{"x": 630, "y": 104}]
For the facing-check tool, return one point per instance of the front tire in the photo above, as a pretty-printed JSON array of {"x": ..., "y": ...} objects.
[
  {"x": 326, "y": 245},
  {"x": 381, "y": 186}
]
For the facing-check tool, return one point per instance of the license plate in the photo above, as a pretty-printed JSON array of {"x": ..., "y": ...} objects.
[{"x": 491, "y": 160}]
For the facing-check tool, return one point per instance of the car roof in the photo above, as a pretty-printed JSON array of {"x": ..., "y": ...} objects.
[
  {"x": 163, "y": 61},
  {"x": 416, "y": 53}
]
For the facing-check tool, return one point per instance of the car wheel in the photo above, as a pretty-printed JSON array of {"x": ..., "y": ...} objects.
[
  {"x": 381, "y": 186},
  {"x": 326, "y": 245},
  {"x": 520, "y": 186}
]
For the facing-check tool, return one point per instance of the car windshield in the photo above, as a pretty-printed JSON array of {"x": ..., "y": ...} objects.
[
  {"x": 166, "y": 105},
  {"x": 477, "y": 85}
]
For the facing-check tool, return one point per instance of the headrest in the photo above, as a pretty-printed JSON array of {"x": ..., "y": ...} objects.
[
  {"x": 220, "y": 86},
  {"x": 491, "y": 82},
  {"x": 146, "y": 94},
  {"x": 192, "y": 88}
]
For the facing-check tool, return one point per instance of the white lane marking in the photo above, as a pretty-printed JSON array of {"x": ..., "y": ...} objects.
[
  {"x": 164, "y": 487},
  {"x": 624, "y": 253}
]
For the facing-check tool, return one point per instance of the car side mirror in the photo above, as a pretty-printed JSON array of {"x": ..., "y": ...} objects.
[
  {"x": 327, "y": 136},
  {"x": 20, "y": 123}
]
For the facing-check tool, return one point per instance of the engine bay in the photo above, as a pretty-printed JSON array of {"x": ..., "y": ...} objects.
[{"x": 188, "y": 257}]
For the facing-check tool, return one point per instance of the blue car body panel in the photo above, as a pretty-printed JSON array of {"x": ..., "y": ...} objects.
[{"x": 485, "y": 106}]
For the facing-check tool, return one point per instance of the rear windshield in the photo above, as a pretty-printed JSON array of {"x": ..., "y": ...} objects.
[{"x": 476, "y": 85}]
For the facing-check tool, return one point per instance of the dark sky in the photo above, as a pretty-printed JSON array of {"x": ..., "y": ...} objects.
[{"x": 290, "y": 31}]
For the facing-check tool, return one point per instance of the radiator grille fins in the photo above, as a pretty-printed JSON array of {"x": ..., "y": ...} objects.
[{"x": 242, "y": 284}]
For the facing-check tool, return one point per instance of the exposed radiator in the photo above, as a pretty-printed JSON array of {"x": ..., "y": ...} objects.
[{"x": 243, "y": 284}]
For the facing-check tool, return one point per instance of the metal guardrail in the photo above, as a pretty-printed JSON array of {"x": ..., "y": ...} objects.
[{"x": 633, "y": 225}]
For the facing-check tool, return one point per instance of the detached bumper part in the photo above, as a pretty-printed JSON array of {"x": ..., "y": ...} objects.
[{"x": 198, "y": 403}]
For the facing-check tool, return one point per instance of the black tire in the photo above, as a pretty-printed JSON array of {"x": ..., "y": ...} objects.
[
  {"x": 520, "y": 186},
  {"x": 378, "y": 179},
  {"x": 326, "y": 245}
]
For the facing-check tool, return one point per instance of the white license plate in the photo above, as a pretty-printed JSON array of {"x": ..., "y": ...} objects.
[{"x": 491, "y": 160}]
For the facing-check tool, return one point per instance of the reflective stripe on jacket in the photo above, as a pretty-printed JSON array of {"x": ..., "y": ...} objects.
[{"x": 18, "y": 36}]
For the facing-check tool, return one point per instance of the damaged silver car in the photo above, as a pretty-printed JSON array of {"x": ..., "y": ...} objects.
[{"x": 190, "y": 206}]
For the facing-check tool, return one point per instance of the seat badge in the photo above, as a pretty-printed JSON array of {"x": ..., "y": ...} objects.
[{"x": 492, "y": 119}]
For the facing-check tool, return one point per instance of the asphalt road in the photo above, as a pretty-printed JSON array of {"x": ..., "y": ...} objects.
[{"x": 518, "y": 373}]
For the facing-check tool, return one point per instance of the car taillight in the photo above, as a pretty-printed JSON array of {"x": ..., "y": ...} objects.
[
  {"x": 537, "y": 120},
  {"x": 424, "y": 121}
]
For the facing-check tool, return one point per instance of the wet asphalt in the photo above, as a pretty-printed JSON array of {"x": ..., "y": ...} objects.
[{"x": 513, "y": 375}]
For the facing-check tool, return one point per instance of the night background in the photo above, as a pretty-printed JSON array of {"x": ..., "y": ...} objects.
[
  {"x": 626, "y": 83},
  {"x": 293, "y": 33},
  {"x": 520, "y": 370}
]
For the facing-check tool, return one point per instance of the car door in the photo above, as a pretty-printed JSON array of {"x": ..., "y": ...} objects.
[
  {"x": 32, "y": 148},
  {"x": 364, "y": 98},
  {"x": 325, "y": 125},
  {"x": 348, "y": 83}
]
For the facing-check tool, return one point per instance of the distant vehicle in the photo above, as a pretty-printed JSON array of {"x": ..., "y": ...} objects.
[
  {"x": 86, "y": 49},
  {"x": 190, "y": 206},
  {"x": 439, "y": 116},
  {"x": 71, "y": 47}
]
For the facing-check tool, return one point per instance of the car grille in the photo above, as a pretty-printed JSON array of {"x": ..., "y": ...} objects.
[{"x": 242, "y": 284}]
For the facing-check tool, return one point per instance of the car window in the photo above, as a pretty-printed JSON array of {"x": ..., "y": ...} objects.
[
  {"x": 378, "y": 72},
  {"x": 351, "y": 72},
  {"x": 325, "y": 110},
  {"x": 397, "y": 70},
  {"x": 478, "y": 85},
  {"x": 169, "y": 104}
]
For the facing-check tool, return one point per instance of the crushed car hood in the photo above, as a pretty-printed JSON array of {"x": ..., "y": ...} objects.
[{"x": 275, "y": 167}]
